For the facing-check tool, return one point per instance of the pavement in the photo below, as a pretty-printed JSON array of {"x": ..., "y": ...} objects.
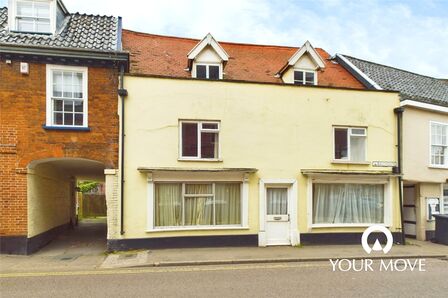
[{"x": 84, "y": 249}]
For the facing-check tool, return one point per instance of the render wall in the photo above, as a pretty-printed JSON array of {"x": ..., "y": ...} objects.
[{"x": 278, "y": 130}]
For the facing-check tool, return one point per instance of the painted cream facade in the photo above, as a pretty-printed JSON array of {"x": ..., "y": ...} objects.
[
  {"x": 277, "y": 130},
  {"x": 423, "y": 180},
  {"x": 50, "y": 199}
]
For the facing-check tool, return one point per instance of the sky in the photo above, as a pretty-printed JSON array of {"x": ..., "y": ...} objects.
[{"x": 412, "y": 35}]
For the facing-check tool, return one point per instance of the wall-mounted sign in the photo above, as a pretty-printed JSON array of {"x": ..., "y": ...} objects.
[{"x": 384, "y": 163}]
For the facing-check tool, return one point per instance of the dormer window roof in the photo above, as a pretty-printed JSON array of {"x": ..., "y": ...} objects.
[
  {"x": 306, "y": 50},
  {"x": 207, "y": 59}
]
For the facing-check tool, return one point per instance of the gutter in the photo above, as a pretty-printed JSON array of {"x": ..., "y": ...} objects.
[
  {"x": 64, "y": 52},
  {"x": 122, "y": 93},
  {"x": 399, "y": 112}
]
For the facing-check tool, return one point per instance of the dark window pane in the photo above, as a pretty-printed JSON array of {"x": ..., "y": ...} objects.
[
  {"x": 57, "y": 105},
  {"x": 209, "y": 125},
  {"x": 68, "y": 119},
  {"x": 78, "y": 106},
  {"x": 209, "y": 145},
  {"x": 58, "y": 118},
  {"x": 201, "y": 71},
  {"x": 68, "y": 105},
  {"x": 298, "y": 77},
  {"x": 340, "y": 143},
  {"x": 189, "y": 139},
  {"x": 78, "y": 119},
  {"x": 213, "y": 72},
  {"x": 309, "y": 77}
]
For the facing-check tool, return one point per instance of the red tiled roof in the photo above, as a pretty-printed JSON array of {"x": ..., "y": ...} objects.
[{"x": 167, "y": 56}]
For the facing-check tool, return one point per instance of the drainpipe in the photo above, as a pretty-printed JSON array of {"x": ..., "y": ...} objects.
[
  {"x": 399, "y": 169},
  {"x": 122, "y": 93}
]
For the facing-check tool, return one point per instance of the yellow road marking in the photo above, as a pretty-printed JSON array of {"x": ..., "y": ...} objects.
[{"x": 158, "y": 270}]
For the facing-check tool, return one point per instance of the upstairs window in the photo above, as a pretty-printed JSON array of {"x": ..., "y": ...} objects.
[
  {"x": 304, "y": 77},
  {"x": 350, "y": 143},
  {"x": 439, "y": 144},
  {"x": 66, "y": 96},
  {"x": 199, "y": 140},
  {"x": 33, "y": 16},
  {"x": 208, "y": 71}
]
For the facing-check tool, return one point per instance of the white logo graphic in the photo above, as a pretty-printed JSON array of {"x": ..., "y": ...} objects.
[{"x": 377, "y": 246}]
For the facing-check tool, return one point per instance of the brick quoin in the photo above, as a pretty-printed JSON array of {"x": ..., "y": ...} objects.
[{"x": 23, "y": 140}]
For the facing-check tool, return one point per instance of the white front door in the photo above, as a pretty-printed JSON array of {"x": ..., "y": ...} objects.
[{"x": 277, "y": 216}]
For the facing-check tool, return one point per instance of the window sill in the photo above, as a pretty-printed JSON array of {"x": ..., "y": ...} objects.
[
  {"x": 200, "y": 159},
  {"x": 348, "y": 225},
  {"x": 336, "y": 161},
  {"x": 71, "y": 128},
  {"x": 196, "y": 228},
  {"x": 438, "y": 167}
]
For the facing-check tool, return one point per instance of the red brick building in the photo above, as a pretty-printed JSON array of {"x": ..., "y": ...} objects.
[{"x": 59, "y": 78}]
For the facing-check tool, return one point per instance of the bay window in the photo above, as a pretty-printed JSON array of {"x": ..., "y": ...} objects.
[
  {"x": 439, "y": 144},
  {"x": 66, "y": 96},
  {"x": 350, "y": 143},
  {"x": 348, "y": 203},
  {"x": 197, "y": 204},
  {"x": 199, "y": 140}
]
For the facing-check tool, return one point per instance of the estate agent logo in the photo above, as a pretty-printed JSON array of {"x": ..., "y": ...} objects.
[
  {"x": 378, "y": 263},
  {"x": 377, "y": 246}
]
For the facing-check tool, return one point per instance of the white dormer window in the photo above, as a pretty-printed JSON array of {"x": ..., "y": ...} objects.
[
  {"x": 208, "y": 71},
  {"x": 302, "y": 67},
  {"x": 33, "y": 16},
  {"x": 207, "y": 59},
  {"x": 305, "y": 77}
]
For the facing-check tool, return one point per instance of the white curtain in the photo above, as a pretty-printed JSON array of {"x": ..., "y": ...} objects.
[
  {"x": 168, "y": 204},
  {"x": 357, "y": 148},
  {"x": 198, "y": 209},
  {"x": 228, "y": 203},
  {"x": 277, "y": 201},
  {"x": 348, "y": 203}
]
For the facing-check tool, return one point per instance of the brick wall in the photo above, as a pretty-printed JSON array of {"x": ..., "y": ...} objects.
[{"x": 23, "y": 140}]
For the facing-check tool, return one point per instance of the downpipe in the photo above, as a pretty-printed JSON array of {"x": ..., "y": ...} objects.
[
  {"x": 122, "y": 93},
  {"x": 399, "y": 170}
]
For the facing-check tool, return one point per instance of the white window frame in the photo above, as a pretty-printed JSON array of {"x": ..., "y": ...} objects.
[
  {"x": 12, "y": 15},
  {"x": 204, "y": 178},
  {"x": 388, "y": 207},
  {"x": 445, "y": 166},
  {"x": 49, "y": 94},
  {"x": 200, "y": 130},
  {"x": 207, "y": 65},
  {"x": 304, "y": 76},
  {"x": 349, "y": 135}
]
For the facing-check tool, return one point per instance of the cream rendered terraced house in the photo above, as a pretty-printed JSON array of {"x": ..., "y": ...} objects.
[
  {"x": 237, "y": 144},
  {"x": 424, "y": 102}
]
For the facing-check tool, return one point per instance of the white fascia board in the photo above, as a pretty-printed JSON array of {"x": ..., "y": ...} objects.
[
  {"x": 357, "y": 70},
  {"x": 307, "y": 48},
  {"x": 208, "y": 40},
  {"x": 423, "y": 105}
]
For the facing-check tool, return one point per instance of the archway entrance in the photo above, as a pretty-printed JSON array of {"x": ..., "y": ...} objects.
[{"x": 53, "y": 207}]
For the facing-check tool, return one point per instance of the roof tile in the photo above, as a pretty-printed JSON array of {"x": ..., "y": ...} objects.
[
  {"x": 80, "y": 31},
  {"x": 167, "y": 56},
  {"x": 411, "y": 85}
]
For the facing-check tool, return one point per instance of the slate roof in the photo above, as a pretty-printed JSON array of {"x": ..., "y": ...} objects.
[
  {"x": 79, "y": 31},
  {"x": 411, "y": 85},
  {"x": 160, "y": 55}
]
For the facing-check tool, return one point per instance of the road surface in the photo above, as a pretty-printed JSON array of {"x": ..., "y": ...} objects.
[{"x": 314, "y": 279}]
